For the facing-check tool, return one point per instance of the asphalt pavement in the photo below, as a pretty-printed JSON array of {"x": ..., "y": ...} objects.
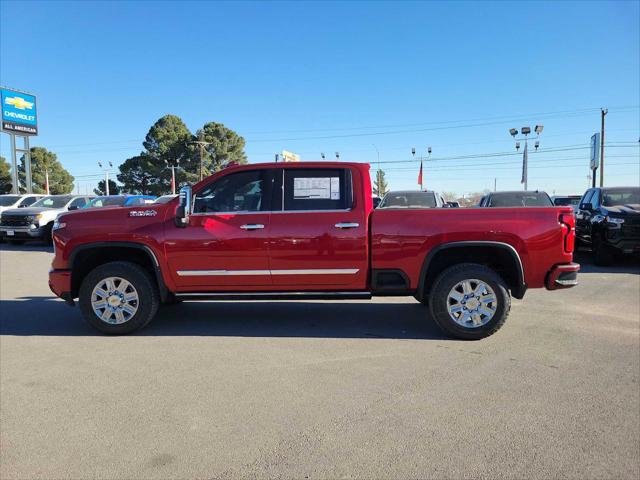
[{"x": 320, "y": 389}]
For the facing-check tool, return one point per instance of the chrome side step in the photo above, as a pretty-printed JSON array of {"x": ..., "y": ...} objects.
[{"x": 274, "y": 296}]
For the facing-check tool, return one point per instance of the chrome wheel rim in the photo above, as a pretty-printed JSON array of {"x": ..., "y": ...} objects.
[
  {"x": 472, "y": 303},
  {"x": 114, "y": 300}
]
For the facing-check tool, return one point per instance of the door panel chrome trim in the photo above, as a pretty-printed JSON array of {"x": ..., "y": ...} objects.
[
  {"x": 347, "y": 225},
  {"x": 315, "y": 271},
  {"x": 252, "y": 226}
]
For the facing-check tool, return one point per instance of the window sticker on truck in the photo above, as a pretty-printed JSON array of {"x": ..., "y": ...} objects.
[{"x": 316, "y": 188}]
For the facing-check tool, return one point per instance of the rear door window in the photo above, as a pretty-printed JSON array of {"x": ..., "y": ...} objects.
[{"x": 317, "y": 189}]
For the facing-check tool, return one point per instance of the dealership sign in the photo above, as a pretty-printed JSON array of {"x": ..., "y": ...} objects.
[{"x": 18, "y": 112}]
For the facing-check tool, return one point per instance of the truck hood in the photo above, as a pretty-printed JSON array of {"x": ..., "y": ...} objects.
[
  {"x": 31, "y": 211},
  {"x": 629, "y": 209}
]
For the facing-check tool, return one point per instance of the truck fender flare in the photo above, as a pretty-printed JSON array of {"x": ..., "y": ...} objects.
[
  {"x": 516, "y": 292},
  {"x": 164, "y": 291}
]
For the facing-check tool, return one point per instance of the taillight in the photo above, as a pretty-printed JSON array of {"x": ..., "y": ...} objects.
[{"x": 568, "y": 222}]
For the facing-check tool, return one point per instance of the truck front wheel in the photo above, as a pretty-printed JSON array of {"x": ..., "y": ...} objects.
[
  {"x": 118, "y": 298},
  {"x": 469, "y": 301}
]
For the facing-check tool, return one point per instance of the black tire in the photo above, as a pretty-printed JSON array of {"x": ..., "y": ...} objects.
[
  {"x": 16, "y": 242},
  {"x": 48, "y": 234},
  {"x": 142, "y": 281},
  {"x": 439, "y": 303},
  {"x": 602, "y": 254}
]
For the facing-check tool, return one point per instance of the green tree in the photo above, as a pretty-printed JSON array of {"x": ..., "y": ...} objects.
[
  {"x": 167, "y": 142},
  {"x": 223, "y": 146},
  {"x": 5, "y": 176},
  {"x": 60, "y": 181},
  {"x": 136, "y": 176},
  {"x": 114, "y": 189},
  {"x": 380, "y": 187}
]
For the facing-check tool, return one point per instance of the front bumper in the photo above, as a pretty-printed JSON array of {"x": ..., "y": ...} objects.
[
  {"x": 562, "y": 276},
  {"x": 60, "y": 284},
  {"x": 21, "y": 232}
]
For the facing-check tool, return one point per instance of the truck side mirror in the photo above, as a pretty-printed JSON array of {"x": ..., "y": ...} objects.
[
  {"x": 73, "y": 207},
  {"x": 183, "y": 211},
  {"x": 585, "y": 206}
]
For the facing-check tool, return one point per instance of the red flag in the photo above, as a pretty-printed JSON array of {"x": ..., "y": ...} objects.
[
  {"x": 46, "y": 181},
  {"x": 420, "y": 175}
]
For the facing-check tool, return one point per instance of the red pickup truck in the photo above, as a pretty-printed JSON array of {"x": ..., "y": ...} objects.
[{"x": 307, "y": 231}]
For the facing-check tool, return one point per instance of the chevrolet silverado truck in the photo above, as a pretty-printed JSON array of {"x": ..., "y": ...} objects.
[{"x": 307, "y": 231}]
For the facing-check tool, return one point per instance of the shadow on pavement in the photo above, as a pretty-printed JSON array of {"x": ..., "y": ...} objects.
[
  {"x": 28, "y": 246},
  {"x": 49, "y": 316},
  {"x": 624, "y": 264}
]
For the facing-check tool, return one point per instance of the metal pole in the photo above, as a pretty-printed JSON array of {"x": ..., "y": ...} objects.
[
  {"x": 593, "y": 178},
  {"x": 603, "y": 112},
  {"x": 27, "y": 165},
  {"x": 495, "y": 183},
  {"x": 106, "y": 182},
  {"x": 173, "y": 179},
  {"x": 15, "y": 179},
  {"x": 526, "y": 165}
]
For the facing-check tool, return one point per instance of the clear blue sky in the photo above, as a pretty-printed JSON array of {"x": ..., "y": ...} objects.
[{"x": 326, "y": 77}]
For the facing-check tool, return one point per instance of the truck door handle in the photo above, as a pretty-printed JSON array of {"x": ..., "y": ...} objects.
[
  {"x": 252, "y": 226},
  {"x": 347, "y": 225}
]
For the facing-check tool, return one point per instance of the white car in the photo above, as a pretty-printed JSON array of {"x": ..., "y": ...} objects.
[
  {"x": 8, "y": 202},
  {"x": 36, "y": 221}
]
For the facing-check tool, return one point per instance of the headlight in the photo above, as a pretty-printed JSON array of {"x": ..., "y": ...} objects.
[
  {"x": 614, "y": 222},
  {"x": 58, "y": 225},
  {"x": 36, "y": 218}
]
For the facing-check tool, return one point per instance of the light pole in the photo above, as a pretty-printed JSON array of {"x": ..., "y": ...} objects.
[
  {"x": 106, "y": 176},
  {"x": 525, "y": 131}
]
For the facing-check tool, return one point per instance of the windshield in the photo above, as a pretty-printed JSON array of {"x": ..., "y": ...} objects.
[
  {"x": 564, "y": 201},
  {"x": 6, "y": 200},
  {"x": 106, "y": 202},
  {"x": 52, "y": 202},
  {"x": 612, "y": 198},
  {"x": 409, "y": 200},
  {"x": 517, "y": 199}
]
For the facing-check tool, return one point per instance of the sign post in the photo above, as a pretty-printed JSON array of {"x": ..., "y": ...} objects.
[
  {"x": 19, "y": 119},
  {"x": 594, "y": 157}
]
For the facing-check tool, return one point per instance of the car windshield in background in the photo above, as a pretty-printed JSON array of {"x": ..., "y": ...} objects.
[
  {"x": 7, "y": 200},
  {"x": 409, "y": 200},
  {"x": 611, "y": 198},
  {"x": 566, "y": 201},
  {"x": 52, "y": 202},
  {"x": 517, "y": 199},
  {"x": 107, "y": 202},
  {"x": 164, "y": 199}
]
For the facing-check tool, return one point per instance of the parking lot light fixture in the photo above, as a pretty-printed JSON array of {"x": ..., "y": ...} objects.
[
  {"x": 538, "y": 129},
  {"x": 513, "y": 132},
  {"x": 525, "y": 130}
]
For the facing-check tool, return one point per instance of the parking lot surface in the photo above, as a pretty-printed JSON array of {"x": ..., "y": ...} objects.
[{"x": 320, "y": 389}]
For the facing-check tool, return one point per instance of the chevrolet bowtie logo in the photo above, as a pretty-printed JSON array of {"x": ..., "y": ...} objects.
[{"x": 19, "y": 102}]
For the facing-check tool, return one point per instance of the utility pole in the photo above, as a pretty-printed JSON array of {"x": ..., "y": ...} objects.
[
  {"x": 173, "y": 175},
  {"x": 201, "y": 144},
  {"x": 106, "y": 176},
  {"x": 495, "y": 184},
  {"x": 603, "y": 112}
]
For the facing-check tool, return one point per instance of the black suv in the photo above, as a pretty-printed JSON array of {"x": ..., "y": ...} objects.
[{"x": 608, "y": 219}]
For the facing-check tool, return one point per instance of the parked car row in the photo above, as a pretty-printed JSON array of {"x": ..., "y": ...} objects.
[
  {"x": 607, "y": 219},
  {"x": 31, "y": 216}
]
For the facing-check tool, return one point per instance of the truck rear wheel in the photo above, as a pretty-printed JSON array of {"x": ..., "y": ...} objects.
[
  {"x": 118, "y": 298},
  {"x": 469, "y": 301}
]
